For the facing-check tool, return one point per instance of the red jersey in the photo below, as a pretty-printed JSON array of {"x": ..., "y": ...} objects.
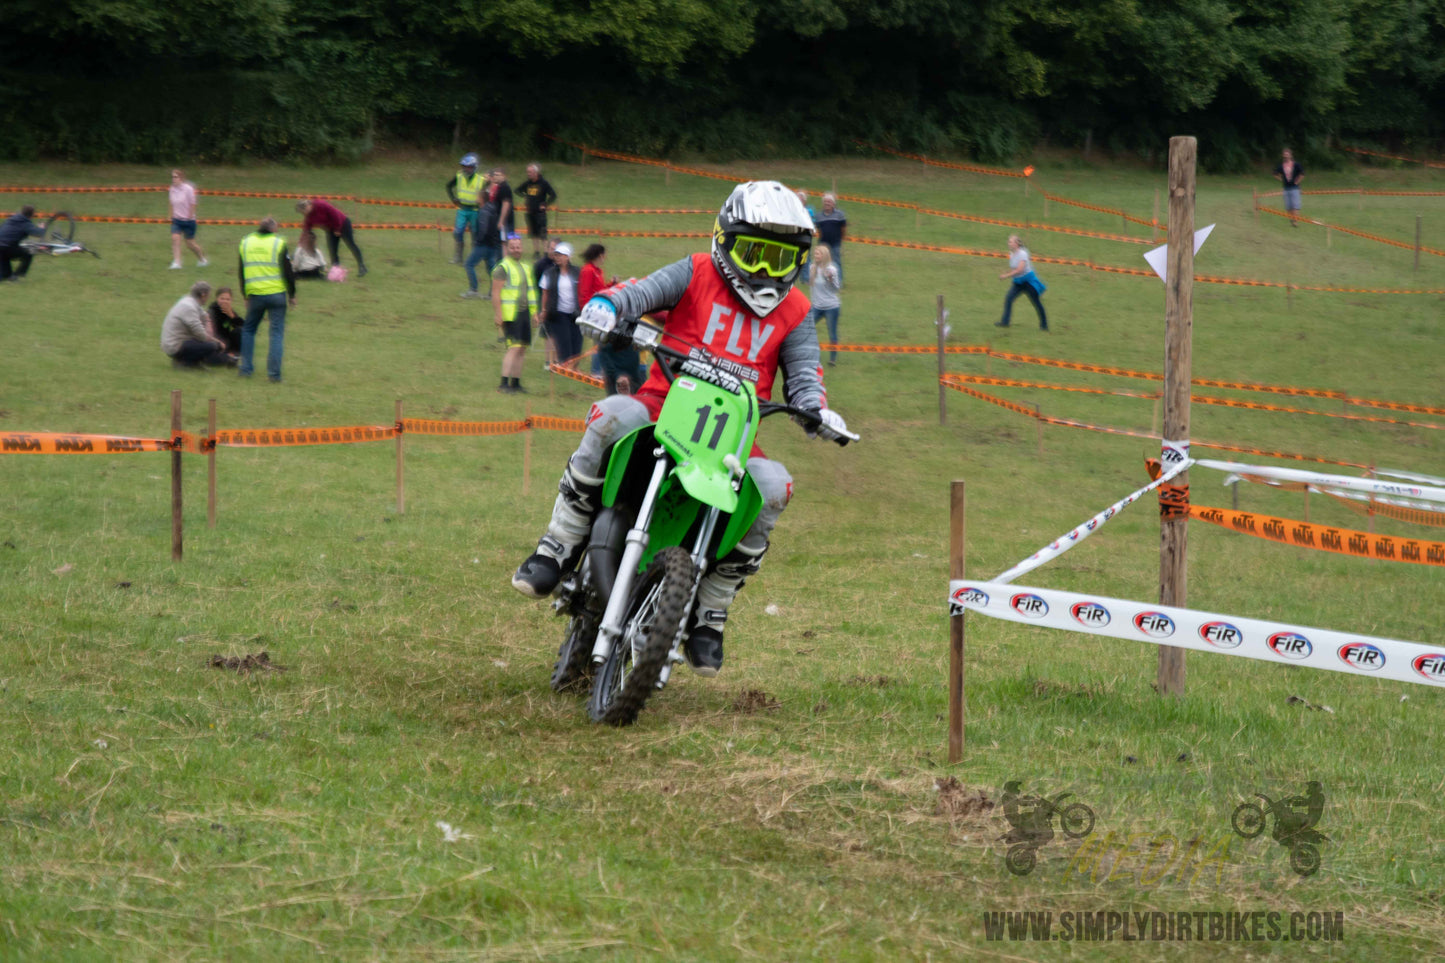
[{"x": 709, "y": 315}]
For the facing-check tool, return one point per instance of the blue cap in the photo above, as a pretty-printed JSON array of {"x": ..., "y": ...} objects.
[
  {"x": 513, "y": 236},
  {"x": 469, "y": 160}
]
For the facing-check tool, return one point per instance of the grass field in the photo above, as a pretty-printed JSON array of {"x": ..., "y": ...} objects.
[{"x": 155, "y": 807}]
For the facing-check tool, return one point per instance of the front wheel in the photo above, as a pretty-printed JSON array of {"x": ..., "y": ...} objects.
[
  {"x": 654, "y": 617},
  {"x": 60, "y": 229},
  {"x": 1248, "y": 820},
  {"x": 1076, "y": 820}
]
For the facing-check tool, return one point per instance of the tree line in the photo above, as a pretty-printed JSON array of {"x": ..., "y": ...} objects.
[{"x": 146, "y": 81}]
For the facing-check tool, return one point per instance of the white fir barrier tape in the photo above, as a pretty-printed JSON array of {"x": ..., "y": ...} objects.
[
  {"x": 1345, "y": 482},
  {"x": 1205, "y": 631},
  {"x": 1068, "y": 540}
]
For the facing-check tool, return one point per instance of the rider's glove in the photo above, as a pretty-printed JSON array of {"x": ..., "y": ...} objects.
[
  {"x": 831, "y": 427},
  {"x": 599, "y": 316}
]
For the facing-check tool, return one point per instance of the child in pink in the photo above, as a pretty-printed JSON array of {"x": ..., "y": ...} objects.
[{"x": 183, "y": 220}]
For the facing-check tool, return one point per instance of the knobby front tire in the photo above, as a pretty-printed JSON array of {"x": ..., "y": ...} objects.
[{"x": 654, "y": 616}]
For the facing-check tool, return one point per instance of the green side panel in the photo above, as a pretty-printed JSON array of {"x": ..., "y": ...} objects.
[
  {"x": 750, "y": 503},
  {"x": 617, "y": 465}
]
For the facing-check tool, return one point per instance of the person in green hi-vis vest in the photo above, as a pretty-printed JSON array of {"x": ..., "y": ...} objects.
[
  {"x": 269, "y": 286},
  {"x": 514, "y": 305}
]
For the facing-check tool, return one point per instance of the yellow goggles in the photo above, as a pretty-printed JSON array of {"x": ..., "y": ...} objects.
[{"x": 754, "y": 254}]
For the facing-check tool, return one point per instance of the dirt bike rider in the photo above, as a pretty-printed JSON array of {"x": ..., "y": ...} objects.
[
  {"x": 738, "y": 303},
  {"x": 1296, "y": 816},
  {"x": 1033, "y": 826}
]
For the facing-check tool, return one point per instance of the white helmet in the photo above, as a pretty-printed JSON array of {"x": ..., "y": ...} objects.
[{"x": 760, "y": 241}]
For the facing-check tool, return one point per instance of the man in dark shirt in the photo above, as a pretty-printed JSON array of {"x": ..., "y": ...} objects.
[
  {"x": 494, "y": 220},
  {"x": 1290, "y": 173},
  {"x": 832, "y": 223},
  {"x": 13, "y": 232},
  {"x": 338, "y": 228},
  {"x": 539, "y": 195}
]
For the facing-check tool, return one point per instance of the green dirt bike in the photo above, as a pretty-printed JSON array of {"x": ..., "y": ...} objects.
[{"x": 676, "y": 498}]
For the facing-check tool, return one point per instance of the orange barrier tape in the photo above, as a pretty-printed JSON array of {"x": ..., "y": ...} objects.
[
  {"x": 547, "y": 423},
  {"x": 422, "y": 426},
  {"x": 1397, "y": 406},
  {"x": 1359, "y": 190},
  {"x": 62, "y": 443},
  {"x": 1071, "y": 423},
  {"x": 1346, "y": 230},
  {"x": 1262, "y": 406},
  {"x": 905, "y": 348},
  {"x": 991, "y": 171},
  {"x": 1409, "y": 160},
  {"x": 1015, "y": 383},
  {"x": 1033, "y": 226},
  {"x": 1102, "y": 210},
  {"x": 635, "y": 210},
  {"x": 576, "y": 375},
  {"x": 273, "y": 437},
  {"x": 1342, "y": 541}
]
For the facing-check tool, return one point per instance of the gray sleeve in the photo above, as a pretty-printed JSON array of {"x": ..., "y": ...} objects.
[
  {"x": 660, "y": 290},
  {"x": 800, "y": 364}
]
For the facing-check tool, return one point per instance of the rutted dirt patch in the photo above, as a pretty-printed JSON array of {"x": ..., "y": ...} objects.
[
  {"x": 957, "y": 801},
  {"x": 260, "y": 662},
  {"x": 755, "y": 700},
  {"x": 870, "y": 681}
]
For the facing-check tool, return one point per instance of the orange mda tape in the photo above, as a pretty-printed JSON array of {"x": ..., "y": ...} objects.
[
  {"x": 1342, "y": 541},
  {"x": 421, "y": 426},
  {"x": 284, "y": 437},
  {"x": 60, "y": 443}
]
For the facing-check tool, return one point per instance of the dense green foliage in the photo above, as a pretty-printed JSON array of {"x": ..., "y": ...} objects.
[{"x": 140, "y": 80}]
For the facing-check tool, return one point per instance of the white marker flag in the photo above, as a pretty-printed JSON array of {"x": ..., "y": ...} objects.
[{"x": 1159, "y": 257}]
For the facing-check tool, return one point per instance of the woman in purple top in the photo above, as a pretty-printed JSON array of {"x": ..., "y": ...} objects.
[{"x": 338, "y": 228}]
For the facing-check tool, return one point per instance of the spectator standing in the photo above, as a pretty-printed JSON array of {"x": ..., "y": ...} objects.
[
  {"x": 183, "y": 220},
  {"x": 832, "y": 224},
  {"x": 1290, "y": 173},
  {"x": 338, "y": 228},
  {"x": 226, "y": 324},
  {"x": 803, "y": 197},
  {"x": 306, "y": 261},
  {"x": 539, "y": 195},
  {"x": 824, "y": 295},
  {"x": 621, "y": 368},
  {"x": 514, "y": 305},
  {"x": 464, "y": 190},
  {"x": 13, "y": 232},
  {"x": 560, "y": 305},
  {"x": 539, "y": 268},
  {"x": 1024, "y": 281},
  {"x": 269, "y": 288},
  {"x": 185, "y": 338},
  {"x": 495, "y": 212}
]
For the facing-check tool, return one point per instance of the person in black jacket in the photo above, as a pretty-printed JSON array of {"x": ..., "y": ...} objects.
[
  {"x": 539, "y": 195},
  {"x": 13, "y": 232}
]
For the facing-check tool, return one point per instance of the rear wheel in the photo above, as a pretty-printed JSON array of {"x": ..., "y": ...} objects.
[
  {"x": 654, "y": 617},
  {"x": 59, "y": 229}
]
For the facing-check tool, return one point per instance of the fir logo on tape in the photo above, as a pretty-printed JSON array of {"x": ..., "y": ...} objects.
[
  {"x": 1028, "y": 605},
  {"x": 1430, "y": 667},
  {"x": 1156, "y": 625},
  {"x": 1221, "y": 635},
  {"x": 1092, "y": 614},
  {"x": 1290, "y": 645},
  {"x": 1363, "y": 656},
  {"x": 970, "y": 595}
]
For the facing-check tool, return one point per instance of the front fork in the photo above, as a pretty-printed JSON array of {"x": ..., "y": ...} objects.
[{"x": 610, "y": 629}]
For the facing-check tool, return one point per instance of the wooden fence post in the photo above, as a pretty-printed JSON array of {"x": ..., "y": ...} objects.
[
  {"x": 176, "y": 513},
  {"x": 1178, "y": 362},
  {"x": 527, "y": 453},
  {"x": 1417, "y": 243},
  {"x": 957, "y": 703}
]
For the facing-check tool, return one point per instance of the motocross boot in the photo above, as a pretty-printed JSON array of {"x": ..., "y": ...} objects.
[
  {"x": 704, "y": 645},
  {"x": 558, "y": 551}
]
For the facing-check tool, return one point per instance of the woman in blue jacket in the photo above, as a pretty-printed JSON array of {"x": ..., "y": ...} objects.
[{"x": 1025, "y": 281}]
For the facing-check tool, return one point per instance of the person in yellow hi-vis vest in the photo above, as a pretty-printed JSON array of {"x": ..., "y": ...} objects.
[
  {"x": 269, "y": 286},
  {"x": 463, "y": 190},
  {"x": 514, "y": 305}
]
